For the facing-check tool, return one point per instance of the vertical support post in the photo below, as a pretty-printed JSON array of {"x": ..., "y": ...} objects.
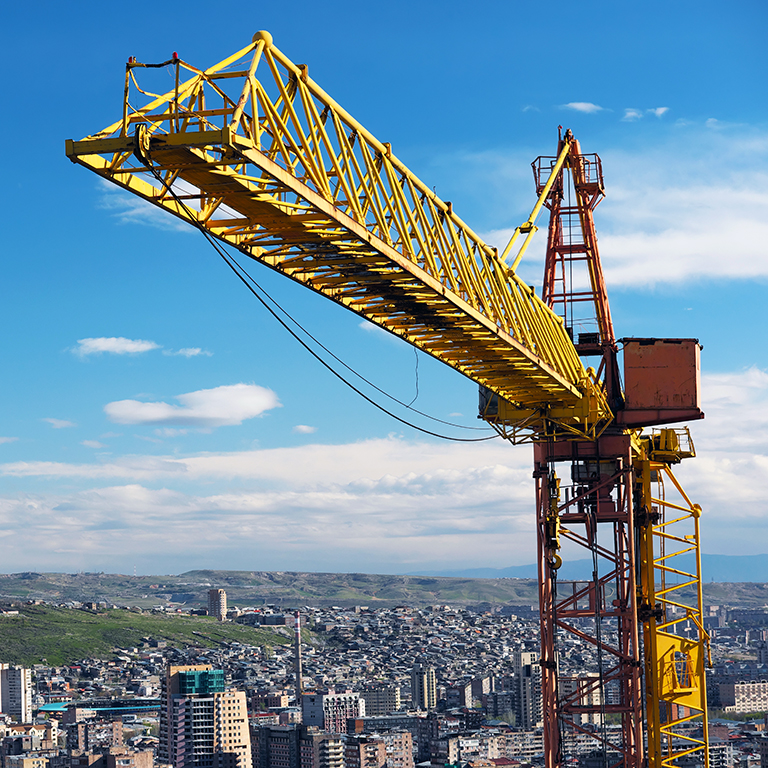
[
  {"x": 596, "y": 514},
  {"x": 547, "y": 589},
  {"x": 175, "y": 121},
  {"x": 675, "y": 654}
]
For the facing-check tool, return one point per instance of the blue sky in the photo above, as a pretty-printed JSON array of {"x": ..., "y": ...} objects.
[{"x": 285, "y": 468}]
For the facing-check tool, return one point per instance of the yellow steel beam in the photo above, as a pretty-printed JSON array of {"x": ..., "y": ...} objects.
[
  {"x": 529, "y": 226},
  {"x": 676, "y": 691},
  {"x": 267, "y": 162}
]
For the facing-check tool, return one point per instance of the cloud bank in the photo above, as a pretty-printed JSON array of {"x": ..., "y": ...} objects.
[
  {"x": 587, "y": 107},
  {"x": 114, "y": 345},
  {"x": 205, "y": 408},
  {"x": 59, "y": 423},
  {"x": 387, "y": 505}
]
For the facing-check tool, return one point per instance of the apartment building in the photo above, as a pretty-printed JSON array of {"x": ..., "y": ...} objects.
[
  {"x": 745, "y": 696},
  {"x": 16, "y": 692},
  {"x": 295, "y": 746},
  {"x": 423, "y": 686},
  {"x": 202, "y": 725},
  {"x": 217, "y": 603},
  {"x": 381, "y": 700},
  {"x": 330, "y": 710},
  {"x": 364, "y": 752},
  {"x": 528, "y": 699}
]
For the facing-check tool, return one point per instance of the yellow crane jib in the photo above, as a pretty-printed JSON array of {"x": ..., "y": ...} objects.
[
  {"x": 256, "y": 153},
  {"x": 529, "y": 227}
]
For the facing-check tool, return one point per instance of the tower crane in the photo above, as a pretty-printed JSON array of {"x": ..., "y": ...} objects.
[{"x": 256, "y": 155}]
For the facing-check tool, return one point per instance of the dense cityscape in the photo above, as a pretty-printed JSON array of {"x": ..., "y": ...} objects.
[{"x": 354, "y": 688}]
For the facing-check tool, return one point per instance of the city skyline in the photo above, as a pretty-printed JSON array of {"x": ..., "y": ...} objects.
[{"x": 148, "y": 399}]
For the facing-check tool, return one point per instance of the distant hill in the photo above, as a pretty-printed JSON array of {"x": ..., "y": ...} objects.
[
  {"x": 718, "y": 568},
  {"x": 254, "y": 588},
  {"x": 734, "y": 580},
  {"x": 62, "y": 636}
]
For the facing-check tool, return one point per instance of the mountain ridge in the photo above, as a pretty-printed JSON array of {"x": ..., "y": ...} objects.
[
  {"x": 728, "y": 579},
  {"x": 717, "y": 568}
]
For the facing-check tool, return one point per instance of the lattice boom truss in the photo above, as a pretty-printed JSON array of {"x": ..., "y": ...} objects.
[{"x": 266, "y": 161}]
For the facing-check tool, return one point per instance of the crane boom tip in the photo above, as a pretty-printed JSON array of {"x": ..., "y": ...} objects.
[{"x": 262, "y": 34}]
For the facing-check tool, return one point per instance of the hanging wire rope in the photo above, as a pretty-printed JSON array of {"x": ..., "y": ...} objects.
[
  {"x": 265, "y": 299},
  {"x": 416, "y": 396}
]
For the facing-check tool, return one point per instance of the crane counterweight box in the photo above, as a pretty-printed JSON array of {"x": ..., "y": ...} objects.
[{"x": 661, "y": 381}]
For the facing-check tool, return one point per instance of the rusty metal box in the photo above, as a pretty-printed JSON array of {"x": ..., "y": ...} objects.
[{"x": 661, "y": 380}]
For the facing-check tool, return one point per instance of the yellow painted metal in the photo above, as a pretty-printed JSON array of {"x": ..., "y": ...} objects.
[
  {"x": 671, "y": 597},
  {"x": 262, "y": 158},
  {"x": 529, "y": 226},
  {"x": 520, "y": 425},
  {"x": 267, "y": 162}
]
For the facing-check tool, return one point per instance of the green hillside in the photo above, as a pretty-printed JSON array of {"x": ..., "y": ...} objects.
[
  {"x": 254, "y": 588},
  {"x": 63, "y": 635},
  {"x": 287, "y": 589}
]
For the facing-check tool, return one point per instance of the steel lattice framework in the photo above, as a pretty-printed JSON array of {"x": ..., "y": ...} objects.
[
  {"x": 266, "y": 161},
  {"x": 606, "y": 509},
  {"x": 675, "y": 662},
  {"x": 256, "y": 154}
]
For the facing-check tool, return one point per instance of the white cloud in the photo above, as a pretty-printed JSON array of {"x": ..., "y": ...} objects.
[
  {"x": 148, "y": 439},
  {"x": 119, "y": 345},
  {"x": 583, "y": 106},
  {"x": 115, "y": 345},
  {"x": 630, "y": 115},
  {"x": 59, "y": 423},
  {"x": 221, "y": 406},
  {"x": 378, "y": 332},
  {"x": 383, "y": 505},
  {"x": 303, "y": 429},
  {"x": 657, "y": 229},
  {"x": 188, "y": 352},
  {"x": 729, "y": 475},
  {"x": 8, "y": 440},
  {"x": 92, "y": 444},
  {"x": 378, "y": 504},
  {"x": 320, "y": 463},
  {"x": 128, "y": 208},
  {"x": 736, "y": 407}
]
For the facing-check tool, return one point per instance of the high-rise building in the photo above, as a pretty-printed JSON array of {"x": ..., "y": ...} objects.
[
  {"x": 331, "y": 710},
  {"x": 297, "y": 657},
  {"x": 332, "y": 752},
  {"x": 381, "y": 699},
  {"x": 16, "y": 692},
  {"x": 290, "y": 746},
  {"x": 217, "y": 603},
  {"x": 364, "y": 752},
  {"x": 528, "y": 699},
  {"x": 202, "y": 725},
  {"x": 582, "y": 690},
  {"x": 423, "y": 686},
  {"x": 399, "y": 747}
]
